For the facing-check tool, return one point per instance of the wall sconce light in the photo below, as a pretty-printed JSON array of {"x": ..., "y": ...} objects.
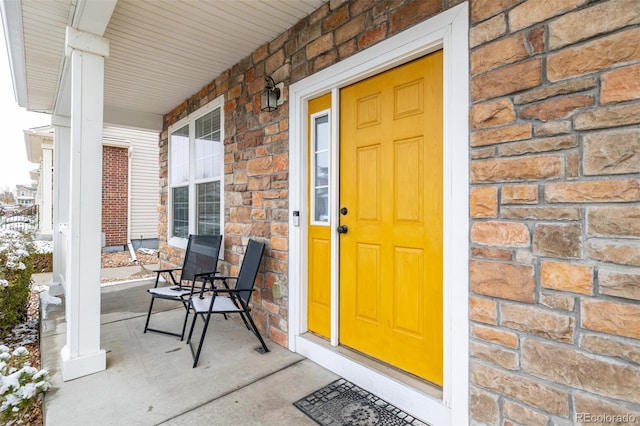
[{"x": 272, "y": 95}]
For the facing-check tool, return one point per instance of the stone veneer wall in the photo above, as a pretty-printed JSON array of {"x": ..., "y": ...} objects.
[
  {"x": 256, "y": 143},
  {"x": 555, "y": 229},
  {"x": 115, "y": 195},
  {"x": 555, "y": 152}
]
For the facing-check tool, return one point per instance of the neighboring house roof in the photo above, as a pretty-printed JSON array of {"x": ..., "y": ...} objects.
[
  {"x": 35, "y": 139},
  {"x": 34, "y": 174},
  {"x": 213, "y": 36}
]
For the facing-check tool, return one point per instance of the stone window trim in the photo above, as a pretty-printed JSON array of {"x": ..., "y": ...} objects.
[{"x": 193, "y": 182}]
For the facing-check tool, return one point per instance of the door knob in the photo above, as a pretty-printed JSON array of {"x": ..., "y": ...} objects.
[{"x": 343, "y": 229}]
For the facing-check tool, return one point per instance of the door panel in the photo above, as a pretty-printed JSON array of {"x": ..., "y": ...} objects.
[
  {"x": 319, "y": 232},
  {"x": 408, "y": 308},
  {"x": 368, "y": 272},
  {"x": 319, "y": 295},
  {"x": 368, "y": 169},
  {"x": 409, "y": 188},
  {"x": 391, "y": 182}
]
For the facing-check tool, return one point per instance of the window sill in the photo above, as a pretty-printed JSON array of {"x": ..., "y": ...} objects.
[{"x": 178, "y": 242}]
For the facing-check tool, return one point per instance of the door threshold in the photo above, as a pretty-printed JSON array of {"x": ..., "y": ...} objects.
[
  {"x": 408, "y": 379},
  {"x": 406, "y": 391}
]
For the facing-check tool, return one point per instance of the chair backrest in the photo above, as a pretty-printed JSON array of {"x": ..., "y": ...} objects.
[
  {"x": 249, "y": 268},
  {"x": 201, "y": 255}
]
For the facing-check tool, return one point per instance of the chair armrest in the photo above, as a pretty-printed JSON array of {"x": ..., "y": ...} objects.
[
  {"x": 170, "y": 271},
  {"x": 207, "y": 276},
  {"x": 215, "y": 291},
  {"x": 204, "y": 274},
  {"x": 165, "y": 270},
  {"x": 231, "y": 290},
  {"x": 223, "y": 277}
]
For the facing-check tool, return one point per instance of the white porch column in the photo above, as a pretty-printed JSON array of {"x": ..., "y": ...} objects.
[
  {"x": 62, "y": 165},
  {"x": 82, "y": 354},
  {"x": 46, "y": 191}
]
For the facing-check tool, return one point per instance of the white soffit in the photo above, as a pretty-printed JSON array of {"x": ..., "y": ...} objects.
[
  {"x": 164, "y": 51},
  {"x": 44, "y": 26},
  {"x": 161, "y": 51},
  {"x": 34, "y": 142}
]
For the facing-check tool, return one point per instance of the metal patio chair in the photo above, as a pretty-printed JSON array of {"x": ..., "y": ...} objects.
[
  {"x": 200, "y": 261},
  {"x": 229, "y": 300}
]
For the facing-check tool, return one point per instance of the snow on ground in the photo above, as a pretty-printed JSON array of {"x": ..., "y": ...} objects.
[{"x": 43, "y": 247}]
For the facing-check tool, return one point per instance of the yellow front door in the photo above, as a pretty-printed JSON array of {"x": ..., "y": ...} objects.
[
  {"x": 391, "y": 187},
  {"x": 319, "y": 241}
]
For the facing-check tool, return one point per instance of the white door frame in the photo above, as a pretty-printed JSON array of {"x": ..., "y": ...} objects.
[{"x": 447, "y": 31}]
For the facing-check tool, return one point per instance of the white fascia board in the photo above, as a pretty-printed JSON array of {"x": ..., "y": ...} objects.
[
  {"x": 62, "y": 107},
  {"x": 131, "y": 119},
  {"x": 35, "y": 142},
  {"x": 112, "y": 115},
  {"x": 37, "y": 139},
  {"x": 60, "y": 121},
  {"x": 33, "y": 146},
  {"x": 45, "y": 130},
  {"x": 12, "y": 24},
  {"x": 86, "y": 42},
  {"x": 93, "y": 16},
  {"x": 116, "y": 142},
  {"x": 90, "y": 17}
]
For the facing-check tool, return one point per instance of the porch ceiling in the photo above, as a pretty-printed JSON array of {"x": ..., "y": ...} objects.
[{"x": 161, "y": 51}]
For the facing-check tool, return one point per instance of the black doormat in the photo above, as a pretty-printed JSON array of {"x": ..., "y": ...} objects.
[{"x": 343, "y": 403}]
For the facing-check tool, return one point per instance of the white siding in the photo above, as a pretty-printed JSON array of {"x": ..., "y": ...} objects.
[{"x": 145, "y": 193}]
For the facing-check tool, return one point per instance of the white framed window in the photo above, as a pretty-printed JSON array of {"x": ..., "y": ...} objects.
[
  {"x": 196, "y": 174},
  {"x": 319, "y": 182}
]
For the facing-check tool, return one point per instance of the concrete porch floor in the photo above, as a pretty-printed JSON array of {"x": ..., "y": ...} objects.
[{"x": 149, "y": 379}]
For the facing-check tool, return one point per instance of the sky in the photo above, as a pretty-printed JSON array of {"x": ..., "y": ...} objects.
[{"x": 14, "y": 167}]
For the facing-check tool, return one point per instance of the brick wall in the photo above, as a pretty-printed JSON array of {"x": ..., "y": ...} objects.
[
  {"x": 554, "y": 269},
  {"x": 115, "y": 171},
  {"x": 555, "y": 227}
]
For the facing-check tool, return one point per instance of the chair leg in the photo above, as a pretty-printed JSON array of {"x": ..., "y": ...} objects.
[
  {"x": 146, "y": 325},
  {"x": 186, "y": 318},
  {"x": 170, "y": 333},
  {"x": 193, "y": 325},
  {"x": 257, "y": 333},
  {"x": 204, "y": 333},
  {"x": 245, "y": 321}
]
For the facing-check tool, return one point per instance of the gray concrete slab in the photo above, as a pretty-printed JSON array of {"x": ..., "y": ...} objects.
[
  {"x": 149, "y": 379},
  {"x": 42, "y": 279},
  {"x": 127, "y": 273},
  {"x": 266, "y": 402}
]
